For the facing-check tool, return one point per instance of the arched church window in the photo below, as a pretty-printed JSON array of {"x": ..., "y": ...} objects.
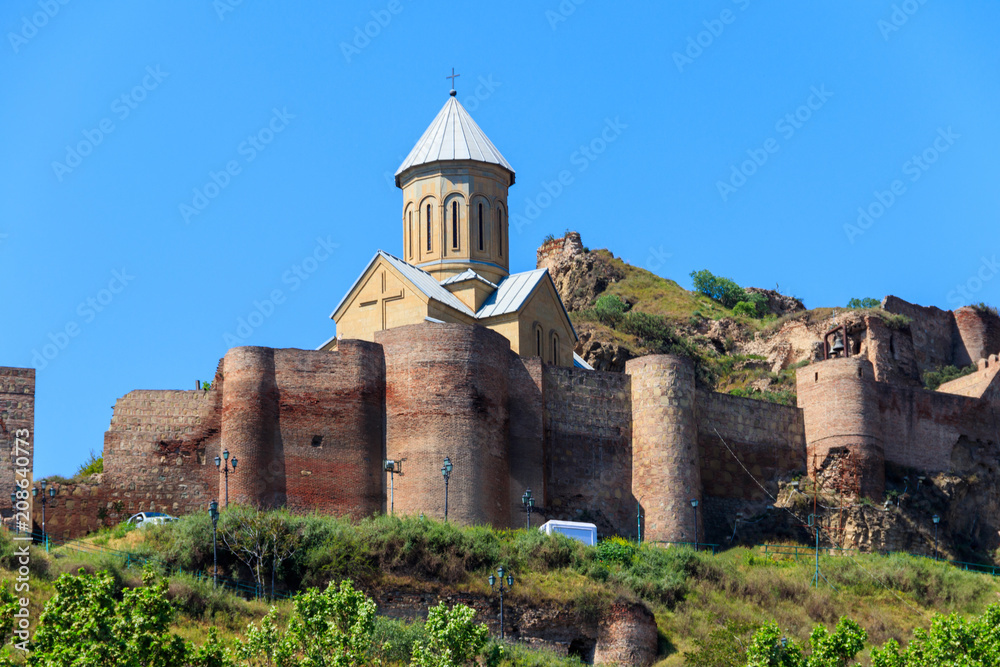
[
  {"x": 538, "y": 341},
  {"x": 480, "y": 225},
  {"x": 555, "y": 348},
  {"x": 409, "y": 234},
  {"x": 428, "y": 228},
  {"x": 454, "y": 224}
]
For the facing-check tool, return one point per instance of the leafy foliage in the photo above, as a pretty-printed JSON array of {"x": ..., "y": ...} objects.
[
  {"x": 863, "y": 304},
  {"x": 93, "y": 465},
  {"x": 454, "y": 639},
  {"x": 724, "y": 646},
  {"x": 934, "y": 379},
  {"x": 723, "y": 290},
  {"x": 610, "y": 309},
  {"x": 984, "y": 308}
]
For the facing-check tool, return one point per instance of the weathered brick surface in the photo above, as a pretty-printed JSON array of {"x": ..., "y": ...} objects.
[
  {"x": 588, "y": 434},
  {"x": 330, "y": 440},
  {"x": 981, "y": 384},
  {"x": 446, "y": 396},
  {"x": 769, "y": 439},
  {"x": 528, "y": 448},
  {"x": 17, "y": 412},
  {"x": 978, "y": 335},
  {"x": 666, "y": 469},
  {"x": 627, "y": 636},
  {"x": 933, "y": 332}
]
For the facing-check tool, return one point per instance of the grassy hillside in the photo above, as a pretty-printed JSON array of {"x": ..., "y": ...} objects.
[{"x": 691, "y": 594}]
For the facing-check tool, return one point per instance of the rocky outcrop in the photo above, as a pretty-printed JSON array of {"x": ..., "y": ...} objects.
[
  {"x": 603, "y": 355},
  {"x": 579, "y": 276},
  {"x": 777, "y": 303}
]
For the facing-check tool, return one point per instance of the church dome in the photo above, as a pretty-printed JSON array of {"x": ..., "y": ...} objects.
[{"x": 453, "y": 135}]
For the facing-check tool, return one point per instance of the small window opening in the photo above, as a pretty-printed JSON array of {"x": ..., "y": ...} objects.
[
  {"x": 317, "y": 441},
  {"x": 454, "y": 224}
]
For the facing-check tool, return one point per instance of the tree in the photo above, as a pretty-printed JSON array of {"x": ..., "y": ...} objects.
[
  {"x": 836, "y": 649},
  {"x": 610, "y": 309},
  {"x": 332, "y": 628},
  {"x": 453, "y": 639},
  {"x": 865, "y": 303},
  {"x": 247, "y": 533},
  {"x": 84, "y": 626},
  {"x": 723, "y": 290},
  {"x": 284, "y": 540}
]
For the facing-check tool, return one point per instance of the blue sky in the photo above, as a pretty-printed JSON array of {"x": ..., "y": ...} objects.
[{"x": 734, "y": 135}]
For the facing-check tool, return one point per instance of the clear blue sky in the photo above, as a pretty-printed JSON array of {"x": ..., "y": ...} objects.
[{"x": 199, "y": 80}]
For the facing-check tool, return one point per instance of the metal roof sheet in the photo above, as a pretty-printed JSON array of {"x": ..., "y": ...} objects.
[
  {"x": 511, "y": 293},
  {"x": 453, "y": 135},
  {"x": 468, "y": 274}
]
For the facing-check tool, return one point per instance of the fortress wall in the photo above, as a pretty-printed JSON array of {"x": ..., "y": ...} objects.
[
  {"x": 921, "y": 428},
  {"x": 528, "y": 460},
  {"x": 446, "y": 396},
  {"x": 76, "y": 509},
  {"x": 932, "y": 329},
  {"x": 843, "y": 420},
  {"x": 978, "y": 335},
  {"x": 588, "y": 434},
  {"x": 330, "y": 447},
  {"x": 158, "y": 451},
  {"x": 17, "y": 411},
  {"x": 769, "y": 439},
  {"x": 975, "y": 385},
  {"x": 666, "y": 474}
]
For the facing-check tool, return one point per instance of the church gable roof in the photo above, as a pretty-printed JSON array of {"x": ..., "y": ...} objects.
[
  {"x": 453, "y": 135},
  {"x": 422, "y": 281},
  {"x": 513, "y": 294},
  {"x": 468, "y": 274}
]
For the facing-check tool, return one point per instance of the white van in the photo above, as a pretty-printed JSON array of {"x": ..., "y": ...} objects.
[{"x": 577, "y": 530}]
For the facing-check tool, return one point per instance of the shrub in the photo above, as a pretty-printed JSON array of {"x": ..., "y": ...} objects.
[
  {"x": 93, "y": 465},
  {"x": 723, "y": 290},
  {"x": 934, "y": 379},
  {"x": 610, "y": 309},
  {"x": 745, "y": 308},
  {"x": 616, "y": 550},
  {"x": 863, "y": 304},
  {"x": 984, "y": 309}
]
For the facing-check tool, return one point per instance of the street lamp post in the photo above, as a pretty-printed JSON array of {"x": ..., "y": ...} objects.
[
  {"x": 694, "y": 506},
  {"x": 529, "y": 504},
  {"x": 501, "y": 589},
  {"x": 446, "y": 473},
  {"x": 936, "y": 519},
  {"x": 52, "y": 494},
  {"x": 213, "y": 511},
  {"x": 222, "y": 465},
  {"x": 393, "y": 467}
]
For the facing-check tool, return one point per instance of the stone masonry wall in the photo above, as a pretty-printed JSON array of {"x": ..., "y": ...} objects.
[
  {"x": 330, "y": 448},
  {"x": 981, "y": 384},
  {"x": 588, "y": 419},
  {"x": 17, "y": 413},
  {"x": 769, "y": 439},
  {"x": 978, "y": 335},
  {"x": 158, "y": 451},
  {"x": 933, "y": 332},
  {"x": 528, "y": 453}
]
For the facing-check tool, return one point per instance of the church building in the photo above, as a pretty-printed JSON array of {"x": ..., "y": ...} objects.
[{"x": 456, "y": 256}]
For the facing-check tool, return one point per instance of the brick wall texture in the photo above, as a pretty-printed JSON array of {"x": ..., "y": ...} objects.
[
  {"x": 311, "y": 430},
  {"x": 17, "y": 413}
]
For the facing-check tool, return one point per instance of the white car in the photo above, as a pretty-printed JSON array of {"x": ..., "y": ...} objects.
[{"x": 150, "y": 519}]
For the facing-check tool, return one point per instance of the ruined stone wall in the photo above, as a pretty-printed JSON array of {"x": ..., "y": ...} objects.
[
  {"x": 158, "y": 451},
  {"x": 933, "y": 331},
  {"x": 588, "y": 434},
  {"x": 329, "y": 449},
  {"x": 78, "y": 509},
  {"x": 769, "y": 439},
  {"x": 982, "y": 383},
  {"x": 17, "y": 413},
  {"x": 978, "y": 335},
  {"x": 446, "y": 396}
]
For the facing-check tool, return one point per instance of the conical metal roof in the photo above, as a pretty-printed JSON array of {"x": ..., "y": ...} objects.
[{"x": 453, "y": 135}]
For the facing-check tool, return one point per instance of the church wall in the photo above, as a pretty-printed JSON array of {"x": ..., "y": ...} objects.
[
  {"x": 588, "y": 434},
  {"x": 544, "y": 307},
  {"x": 330, "y": 445}
]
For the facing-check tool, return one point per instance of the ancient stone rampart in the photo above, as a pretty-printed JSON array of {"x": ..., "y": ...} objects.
[
  {"x": 588, "y": 435},
  {"x": 666, "y": 471},
  {"x": 17, "y": 413},
  {"x": 978, "y": 335},
  {"x": 446, "y": 396}
]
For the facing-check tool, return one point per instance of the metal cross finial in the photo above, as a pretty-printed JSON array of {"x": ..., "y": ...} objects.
[{"x": 453, "y": 77}]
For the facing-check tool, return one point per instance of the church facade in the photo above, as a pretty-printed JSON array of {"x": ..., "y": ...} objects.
[{"x": 455, "y": 264}]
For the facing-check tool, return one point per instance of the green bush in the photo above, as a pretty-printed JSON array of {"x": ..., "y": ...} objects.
[
  {"x": 610, "y": 309},
  {"x": 934, "y": 379},
  {"x": 723, "y": 290},
  {"x": 863, "y": 304},
  {"x": 93, "y": 465},
  {"x": 745, "y": 308},
  {"x": 984, "y": 308}
]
